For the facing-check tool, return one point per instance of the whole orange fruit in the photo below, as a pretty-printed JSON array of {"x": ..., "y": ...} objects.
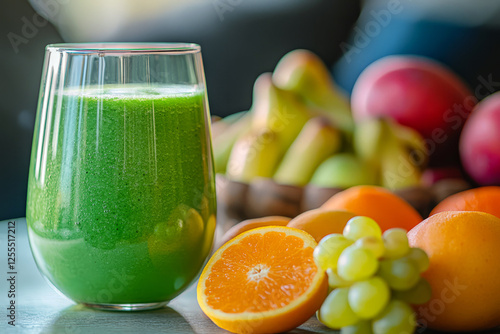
[
  {"x": 320, "y": 222},
  {"x": 264, "y": 280},
  {"x": 250, "y": 224},
  {"x": 463, "y": 248},
  {"x": 380, "y": 204},
  {"x": 484, "y": 199}
]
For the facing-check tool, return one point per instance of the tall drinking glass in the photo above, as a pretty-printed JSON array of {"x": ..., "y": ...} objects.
[{"x": 121, "y": 194}]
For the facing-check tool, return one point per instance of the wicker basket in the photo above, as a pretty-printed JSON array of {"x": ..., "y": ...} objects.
[{"x": 263, "y": 197}]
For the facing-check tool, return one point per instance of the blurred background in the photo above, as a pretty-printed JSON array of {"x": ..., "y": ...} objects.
[{"x": 240, "y": 39}]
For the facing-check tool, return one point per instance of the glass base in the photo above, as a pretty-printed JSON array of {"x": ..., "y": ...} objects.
[{"x": 126, "y": 307}]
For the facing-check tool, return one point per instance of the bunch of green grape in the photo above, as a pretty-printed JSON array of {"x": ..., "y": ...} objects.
[{"x": 374, "y": 276}]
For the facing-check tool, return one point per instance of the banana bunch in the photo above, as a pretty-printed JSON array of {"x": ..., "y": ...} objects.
[{"x": 299, "y": 130}]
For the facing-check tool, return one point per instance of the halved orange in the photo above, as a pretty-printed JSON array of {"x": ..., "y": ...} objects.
[{"x": 263, "y": 281}]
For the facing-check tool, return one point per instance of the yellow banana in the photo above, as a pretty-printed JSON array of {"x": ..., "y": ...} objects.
[
  {"x": 278, "y": 111},
  {"x": 224, "y": 141},
  {"x": 397, "y": 169},
  {"x": 387, "y": 147},
  {"x": 369, "y": 137},
  {"x": 305, "y": 74},
  {"x": 414, "y": 143},
  {"x": 317, "y": 141},
  {"x": 255, "y": 154}
]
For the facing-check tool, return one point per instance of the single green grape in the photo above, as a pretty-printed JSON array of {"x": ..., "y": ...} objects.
[
  {"x": 369, "y": 297},
  {"x": 420, "y": 294},
  {"x": 397, "y": 318},
  {"x": 335, "y": 281},
  {"x": 361, "y": 226},
  {"x": 396, "y": 243},
  {"x": 400, "y": 274},
  {"x": 356, "y": 264},
  {"x": 327, "y": 253},
  {"x": 375, "y": 245},
  {"x": 362, "y": 327},
  {"x": 335, "y": 311},
  {"x": 318, "y": 316},
  {"x": 420, "y": 257}
]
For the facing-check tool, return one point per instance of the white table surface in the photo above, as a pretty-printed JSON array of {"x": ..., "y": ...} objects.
[{"x": 40, "y": 309}]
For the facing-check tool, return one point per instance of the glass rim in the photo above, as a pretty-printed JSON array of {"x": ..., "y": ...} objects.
[{"x": 124, "y": 48}]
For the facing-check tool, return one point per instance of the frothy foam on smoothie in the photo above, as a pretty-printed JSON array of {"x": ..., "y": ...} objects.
[{"x": 134, "y": 91}]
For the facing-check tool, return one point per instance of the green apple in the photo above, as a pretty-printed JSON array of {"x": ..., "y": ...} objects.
[{"x": 343, "y": 171}]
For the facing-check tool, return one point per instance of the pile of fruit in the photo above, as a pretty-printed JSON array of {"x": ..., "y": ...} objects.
[
  {"x": 272, "y": 274},
  {"x": 406, "y": 128},
  {"x": 350, "y": 260},
  {"x": 300, "y": 130}
]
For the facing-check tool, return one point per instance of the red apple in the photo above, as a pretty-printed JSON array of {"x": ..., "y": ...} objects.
[
  {"x": 417, "y": 92},
  {"x": 480, "y": 142}
]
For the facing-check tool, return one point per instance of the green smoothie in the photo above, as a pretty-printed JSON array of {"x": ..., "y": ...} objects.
[{"x": 121, "y": 205}]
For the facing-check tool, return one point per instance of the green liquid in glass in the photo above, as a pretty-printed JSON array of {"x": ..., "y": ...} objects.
[{"x": 120, "y": 199}]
